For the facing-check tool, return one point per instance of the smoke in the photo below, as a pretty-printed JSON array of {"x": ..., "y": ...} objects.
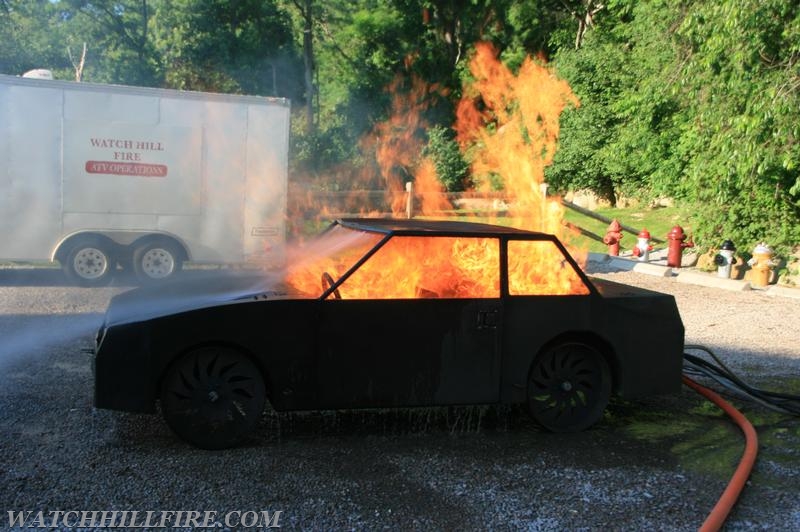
[
  {"x": 202, "y": 289},
  {"x": 36, "y": 319},
  {"x": 193, "y": 290},
  {"x": 31, "y": 337},
  {"x": 39, "y": 312},
  {"x": 74, "y": 160}
]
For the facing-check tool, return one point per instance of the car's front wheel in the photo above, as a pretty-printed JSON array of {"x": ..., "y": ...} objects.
[
  {"x": 569, "y": 386},
  {"x": 213, "y": 397}
]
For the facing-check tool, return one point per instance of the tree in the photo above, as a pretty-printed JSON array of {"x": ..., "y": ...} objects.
[
  {"x": 584, "y": 12},
  {"x": 360, "y": 48},
  {"x": 696, "y": 100},
  {"x": 32, "y": 33},
  {"x": 451, "y": 168},
  {"x": 245, "y": 46},
  {"x": 306, "y": 12},
  {"x": 118, "y": 33},
  {"x": 78, "y": 64},
  {"x": 620, "y": 139},
  {"x": 740, "y": 66}
]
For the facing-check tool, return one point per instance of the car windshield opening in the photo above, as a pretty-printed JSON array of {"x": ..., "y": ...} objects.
[{"x": 332, "y": 253}]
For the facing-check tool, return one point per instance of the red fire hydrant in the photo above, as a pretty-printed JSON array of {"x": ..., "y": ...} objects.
[
  {"x": 612, "y": 238},
  {"x": 676, "y": 238},
  {"x": 643, "y": 247}
]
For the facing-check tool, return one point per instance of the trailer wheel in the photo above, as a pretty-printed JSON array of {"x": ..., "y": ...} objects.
[
  {"x": 569, "y": 387},
  {"x": 213, "y": 397},
  {"x": 157, "y": 260},
  {"x": 90, "y": 263}
]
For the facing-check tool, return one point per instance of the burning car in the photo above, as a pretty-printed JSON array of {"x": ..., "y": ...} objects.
[{"x": 387, "y": 313}]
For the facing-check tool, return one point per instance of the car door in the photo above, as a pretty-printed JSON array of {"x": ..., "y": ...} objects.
[
  {"x": 547, "y": 296},
  {"x": 415, "y": 335}
]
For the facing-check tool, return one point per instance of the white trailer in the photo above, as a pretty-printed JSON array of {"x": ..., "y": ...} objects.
[{"x": 101, "y": 177}]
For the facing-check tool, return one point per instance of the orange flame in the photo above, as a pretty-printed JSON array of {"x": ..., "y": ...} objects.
[
  {"x": 398, "y": 144},
  {"x": 429, "y": 190},
  {"x": 507, "y": 124},
  {"x": 412, "y": 267}
]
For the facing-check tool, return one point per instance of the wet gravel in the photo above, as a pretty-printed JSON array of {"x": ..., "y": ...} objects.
[{"x": 658, "y": 464}]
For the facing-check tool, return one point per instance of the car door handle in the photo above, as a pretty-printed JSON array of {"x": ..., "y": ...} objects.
[{"x": 487, "y": 319}]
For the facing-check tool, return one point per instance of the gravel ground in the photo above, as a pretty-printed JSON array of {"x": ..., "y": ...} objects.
[{"x": 658, "y": 464}]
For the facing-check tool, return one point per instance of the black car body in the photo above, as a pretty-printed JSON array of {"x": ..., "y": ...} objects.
[{"x": 563, "y": 348}]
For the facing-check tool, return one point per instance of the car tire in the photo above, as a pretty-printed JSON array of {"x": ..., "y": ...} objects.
[
  {"x": 569, "y": 387},
  {"x": 90, "y": 262},
  {"x": 157, "y": 261},
  {"x": 213, "y": 397}
]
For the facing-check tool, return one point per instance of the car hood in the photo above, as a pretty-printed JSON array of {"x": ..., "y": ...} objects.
[
  {"x": 190, "y": 293},
  {"x": 611, "y": 289}
]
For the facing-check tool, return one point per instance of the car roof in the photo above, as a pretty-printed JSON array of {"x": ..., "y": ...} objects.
[{"x": 397, "y": 226}]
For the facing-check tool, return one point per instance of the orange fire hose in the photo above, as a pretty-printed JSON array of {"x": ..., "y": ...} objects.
[{"x": 716, "y": 518}]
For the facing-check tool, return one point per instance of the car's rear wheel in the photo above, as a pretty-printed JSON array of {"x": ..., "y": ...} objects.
[
  {"x": 213, "y": 397},
  {"x": 569, "y": 386}
]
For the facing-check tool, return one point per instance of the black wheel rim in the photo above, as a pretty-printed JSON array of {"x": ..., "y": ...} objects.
[
  {"x": 213, "y": 398},
  {"x": 569, "y": 387}
]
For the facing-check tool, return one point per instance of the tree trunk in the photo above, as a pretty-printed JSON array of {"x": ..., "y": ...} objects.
[
  {"x": 308, "y": 62},
  {"x": 78, "y": 66}
]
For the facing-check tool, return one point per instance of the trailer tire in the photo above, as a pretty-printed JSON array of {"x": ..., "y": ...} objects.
[
  {"x": 90, "y": 262},
  {"x": 157, "y": 261}
]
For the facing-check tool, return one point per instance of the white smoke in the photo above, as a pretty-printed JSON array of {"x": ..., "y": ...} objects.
[{"x": 31, "y": 337}]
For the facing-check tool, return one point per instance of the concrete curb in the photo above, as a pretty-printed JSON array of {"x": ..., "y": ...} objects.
[
  {"x": 621, "y": 263},
  {"x": 653, "y": 269},
  {"x": 688, "y": 276},
  {"x": 710, "y": 280},
  {"x": 783, "y": 291}
]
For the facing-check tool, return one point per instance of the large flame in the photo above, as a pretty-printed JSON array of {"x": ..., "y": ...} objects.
[
  {"x": 507, "y": 125},
  {"x": 412, "y": 267},
  {"x": 398, "y": 144}
]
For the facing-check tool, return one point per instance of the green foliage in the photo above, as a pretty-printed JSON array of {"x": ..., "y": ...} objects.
[
  {"x": 117, "y": 35},
  {"x": 312, "y": 154},
  {"x": 360, "y": 48},
  {"x": 616, "y": 142},
  {"x": 451, "y": 168},
  {"x": 245, "y": 46},
  {"x": 739, "y": 80},
  {"x": 215, "y": 45},
  {"x": 31, "y": 37},
  {"x": 696, "y": 100},
  {"x": 692, "y": 99}
]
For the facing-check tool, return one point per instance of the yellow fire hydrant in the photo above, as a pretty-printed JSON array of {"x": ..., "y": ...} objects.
[{"x": 762, "y": 265}]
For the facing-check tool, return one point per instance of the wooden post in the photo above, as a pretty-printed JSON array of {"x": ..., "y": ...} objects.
[
  {"x": 409, "y": 200},
  {"x": 543, "y": 220}
]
